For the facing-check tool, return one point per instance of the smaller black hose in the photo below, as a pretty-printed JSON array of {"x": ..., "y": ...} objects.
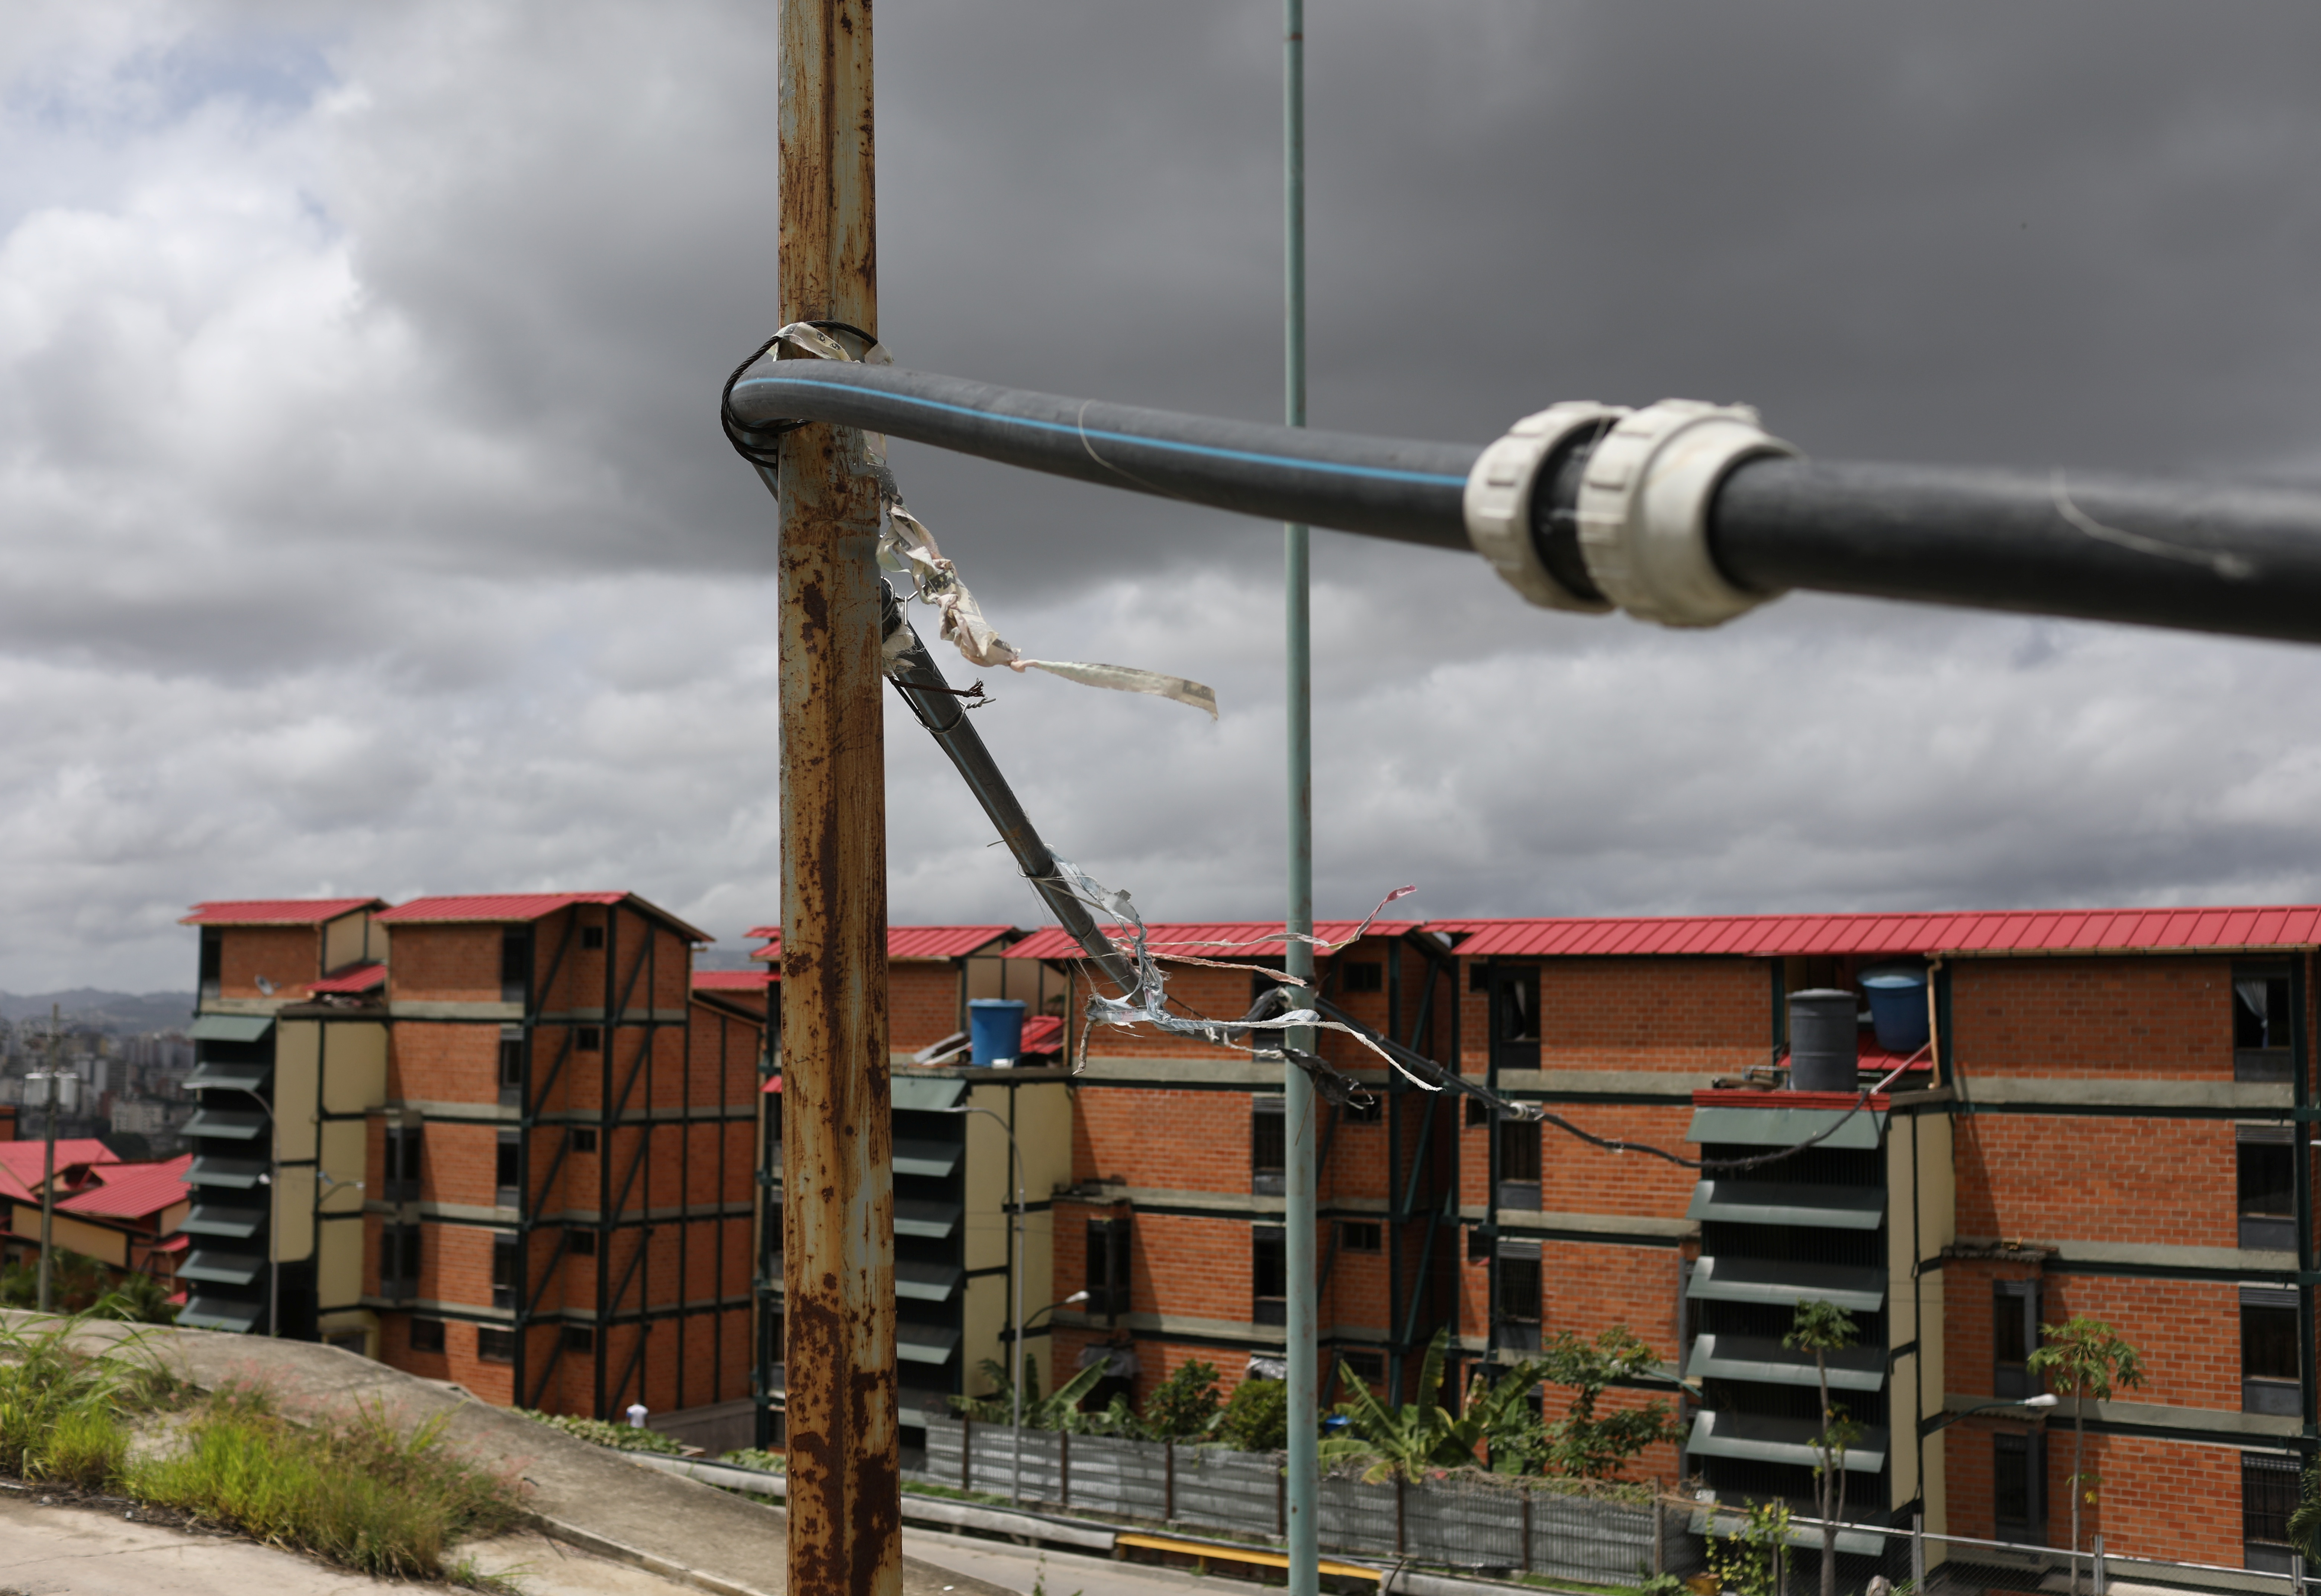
[{"x": 931, "y": 699}]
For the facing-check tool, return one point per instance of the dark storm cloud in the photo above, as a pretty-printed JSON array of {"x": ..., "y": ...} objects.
[{"x": 366, "y": 525}]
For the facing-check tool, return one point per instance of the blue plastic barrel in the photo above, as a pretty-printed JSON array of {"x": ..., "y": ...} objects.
[
  {"x": 995, "y": 1029},
  {"x": 1897, "y": 1005}
]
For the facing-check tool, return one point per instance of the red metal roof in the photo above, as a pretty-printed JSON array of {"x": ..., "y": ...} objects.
[
  {"x": 2021, "y": 931},
  {"x": 275, "y": 912},
  {"x": 1235, "y": 939},
  {"x": 905, "y": 941},
  {"x": 21, "y": 1162},
  {"x": 361, "y": 978},
  {"x": 502, "y": 908},
  {"x": 133, "y": 1190},
  {"x": 732, "y": 980},
  {"x": 1042, "y": 1033}
]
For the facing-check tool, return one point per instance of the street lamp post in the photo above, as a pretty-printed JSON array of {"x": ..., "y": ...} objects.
[{"x": 1015, "y": 1351}]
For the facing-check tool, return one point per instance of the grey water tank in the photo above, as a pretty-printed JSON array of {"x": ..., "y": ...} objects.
[{"x": 1824, "y": 1040}]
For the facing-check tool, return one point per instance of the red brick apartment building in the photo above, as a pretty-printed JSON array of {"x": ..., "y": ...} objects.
[
  {"x": 503, "y": 1140},
  {"x": 2106, "y": 1121}
]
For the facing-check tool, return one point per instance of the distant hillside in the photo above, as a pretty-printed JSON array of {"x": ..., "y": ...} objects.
[{"x": 118, "y": 1013}]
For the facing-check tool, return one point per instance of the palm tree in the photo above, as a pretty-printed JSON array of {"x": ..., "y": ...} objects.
[{"x": 2086, "y": 1358}]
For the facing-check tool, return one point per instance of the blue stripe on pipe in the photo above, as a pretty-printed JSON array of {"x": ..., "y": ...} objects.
[{"x": 1327, "y": 468}]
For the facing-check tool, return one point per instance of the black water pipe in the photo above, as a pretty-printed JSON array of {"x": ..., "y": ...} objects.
[{"x": 2213, "y": 557}]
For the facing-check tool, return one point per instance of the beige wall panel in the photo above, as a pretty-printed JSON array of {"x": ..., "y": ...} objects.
[
  {"x": 297, "y": 1064},
  {"x": 345, "y": 1144},
  {"x": 338, "y": 1262},
  {"x": 294, "y": 1211},
  {"x": 343, "y": 941},
  {"x": 78, "y": 1235},
  {"x": 354, "y": 1067},
  {"x": 986, "y": 1312}
]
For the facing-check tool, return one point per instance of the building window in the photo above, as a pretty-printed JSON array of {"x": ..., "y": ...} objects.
[
  {"x": 510, "y": 1065},
  {"x": 503, "y": 1270},
  {"x": 1517, "y": 1004},
  {"x": 399, "y": 1263},
  {"x": 494, "y": 1346},
  {"x": 1367, "y": 1366},
  {"x": 2267, "y": 1497},
  {"x": 579, "y": 1338},
  {"x": 1519, "y": 1165},
  {"x": 515, "y": 966},
  {"x": 2018, "y": 1486},
  {"x": 582, "y": 1140},
  {"x": 1359, "y": 1236},
  {"x": 426, "y": 1335},
  {"x": 212, "y": 960},
  {"x": 509, "y": 1171},
  {"x": 402, "y": 1171},
  {"x": 591, "y": 1039},
  {"x": 1362, "y": 976},
  {"x": 2014, "y": 1336},
  {"x": 1267, "y": 1147},
  {"x": 2269, "y": 1351},
  {"x": 1518, "y": 1320},
  {"x": 1107, "y": 1282},
  {"x": 592, "y": 939},
  {"x": 1268, "y": 1276},
  {"x": 580, "y": 1244},
  {"x": 2264, "y": 1022},
  {"x": 2268, "y": 1187}
]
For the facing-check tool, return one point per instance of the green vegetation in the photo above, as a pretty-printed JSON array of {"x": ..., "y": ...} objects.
[
  {"x": 1059, "y": 1411},
  {"x": 1257, "y": 1418},
  {"x": 1821, "y": 1328},
  {"x": 1406, "y": 1441},
  {"x": 772, "y": 1462},
  {"x": 620, "y": 1438},
  {"x": 1580, "y": 1444},
  {"x": 83, "y": 1284},
  {"x": 2085, "y": 1358},
  {"x": 359, "y": 1491},
  {"x": 1185, "y": 1406},
  {"x": 1748, "y": 1562}
]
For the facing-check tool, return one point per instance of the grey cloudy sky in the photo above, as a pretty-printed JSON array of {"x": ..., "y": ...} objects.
[{"x": 364, "y": 525}]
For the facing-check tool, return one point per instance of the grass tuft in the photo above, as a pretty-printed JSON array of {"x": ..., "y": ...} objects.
[{"x": 360, "y": 1491}]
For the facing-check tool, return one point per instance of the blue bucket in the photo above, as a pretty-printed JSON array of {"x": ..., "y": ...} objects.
[
  {"x": 994, "y": 1029},
  {"x": 1897, "y": 1005}
]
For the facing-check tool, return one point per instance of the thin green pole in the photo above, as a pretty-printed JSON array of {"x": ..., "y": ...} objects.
[{"x": 1302, "y": 1540}]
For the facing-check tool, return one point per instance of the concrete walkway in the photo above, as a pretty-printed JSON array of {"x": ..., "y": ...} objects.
[
  {"x": 71, "y": 1551},
  {"x": 582, "y": 1495}
]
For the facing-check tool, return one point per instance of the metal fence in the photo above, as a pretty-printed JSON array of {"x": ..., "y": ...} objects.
[
  {"x": 1920, "y": 1564},
  {"x": 1486, "y": 1524}
]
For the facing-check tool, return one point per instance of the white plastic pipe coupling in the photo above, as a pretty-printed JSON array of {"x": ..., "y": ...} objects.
[{"x": 1643, "y": 511}]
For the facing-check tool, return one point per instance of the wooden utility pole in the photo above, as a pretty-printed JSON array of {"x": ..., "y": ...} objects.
[{"x": 838, "y": 1214}]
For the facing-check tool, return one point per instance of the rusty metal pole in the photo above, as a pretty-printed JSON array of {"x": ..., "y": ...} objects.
[{"x": 838, "y": 1212}]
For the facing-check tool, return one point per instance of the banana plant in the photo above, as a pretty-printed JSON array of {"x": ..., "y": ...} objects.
[
  {"x": 1058, "y": 1411},
  {"x": 1406, "y": 1441}
]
